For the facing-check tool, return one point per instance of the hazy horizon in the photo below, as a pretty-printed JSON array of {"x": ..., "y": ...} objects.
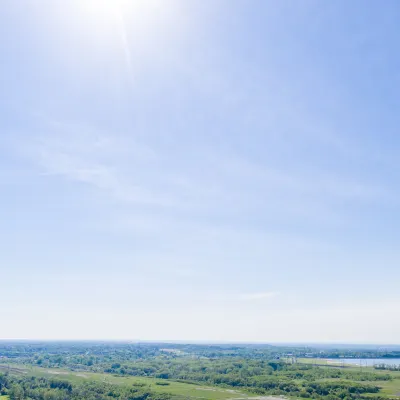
[
  {"x": 316, "y": 345},
  {"x": 211, "y": 169}
]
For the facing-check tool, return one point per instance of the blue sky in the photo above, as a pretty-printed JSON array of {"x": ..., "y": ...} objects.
[{"x": 200, "y": 170}]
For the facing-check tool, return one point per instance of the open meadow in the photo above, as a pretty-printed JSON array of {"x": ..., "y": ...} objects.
[
  {"x": 179, "y": 389},
  {"x": 389, "y": 388}
]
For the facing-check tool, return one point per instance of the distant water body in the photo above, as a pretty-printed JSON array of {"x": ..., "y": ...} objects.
[{"x": 366, "y": 362}]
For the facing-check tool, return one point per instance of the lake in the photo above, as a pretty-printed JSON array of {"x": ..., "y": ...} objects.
[{"x": 363, "y": 361}]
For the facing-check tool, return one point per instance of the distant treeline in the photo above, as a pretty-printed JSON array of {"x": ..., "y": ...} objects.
[
  {"x": 351, "y": 354},
  {"x": 100, "y": 351},
  {"x": 387, "y": 367}
]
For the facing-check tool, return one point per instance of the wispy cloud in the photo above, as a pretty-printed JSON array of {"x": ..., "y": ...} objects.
[
  {"x": 229, "y": 190},
  {"x": 111, "y": 164},
  {"x": 123, "y": 36},
  {"x": 258, "y": 295}
]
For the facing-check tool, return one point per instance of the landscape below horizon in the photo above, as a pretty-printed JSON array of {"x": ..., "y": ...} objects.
[{"x": 60, "y": 370}]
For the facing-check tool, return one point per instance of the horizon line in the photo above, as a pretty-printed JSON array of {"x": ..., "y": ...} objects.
[{"x": 211, "y": 342}]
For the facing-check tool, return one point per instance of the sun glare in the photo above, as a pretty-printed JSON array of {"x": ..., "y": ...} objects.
[
  {"x": 136, "y": 18},
  {"x": 123, "y": 25},
  {"x": 102, "y": 11}
]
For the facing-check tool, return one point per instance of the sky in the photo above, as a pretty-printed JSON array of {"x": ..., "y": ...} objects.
[{"x": 200, "y": 170}]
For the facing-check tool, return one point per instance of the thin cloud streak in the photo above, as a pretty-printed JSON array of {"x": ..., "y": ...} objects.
[
  {"x": 132, "y": 173},
  {"x": 259, "y": 296},
  {"x": 123, "y": 37}
]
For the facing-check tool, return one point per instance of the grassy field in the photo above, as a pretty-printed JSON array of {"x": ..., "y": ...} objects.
[
  {"x": 391, "y": 388},
  {"x": 157, "y": 385}
]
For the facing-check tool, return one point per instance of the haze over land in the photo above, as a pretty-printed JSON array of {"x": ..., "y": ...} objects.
[{"x": 200, "y": 170}]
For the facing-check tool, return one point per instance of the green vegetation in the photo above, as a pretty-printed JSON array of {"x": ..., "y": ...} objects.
[
  {"x": 172, "y": 388},
  {"x": 19, "y": 388},
  {"x": 165, "y": 371},
  {"x": 386, "y": 367}
]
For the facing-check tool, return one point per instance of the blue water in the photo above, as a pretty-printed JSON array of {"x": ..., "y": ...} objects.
[{"x": 365, "y": 362}]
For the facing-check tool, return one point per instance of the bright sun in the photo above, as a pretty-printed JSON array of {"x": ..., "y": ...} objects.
[
  {"x": 112, "y": 31},
  {"x": 107, "y": 9},
  {"x": 106, "y": 15}
]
